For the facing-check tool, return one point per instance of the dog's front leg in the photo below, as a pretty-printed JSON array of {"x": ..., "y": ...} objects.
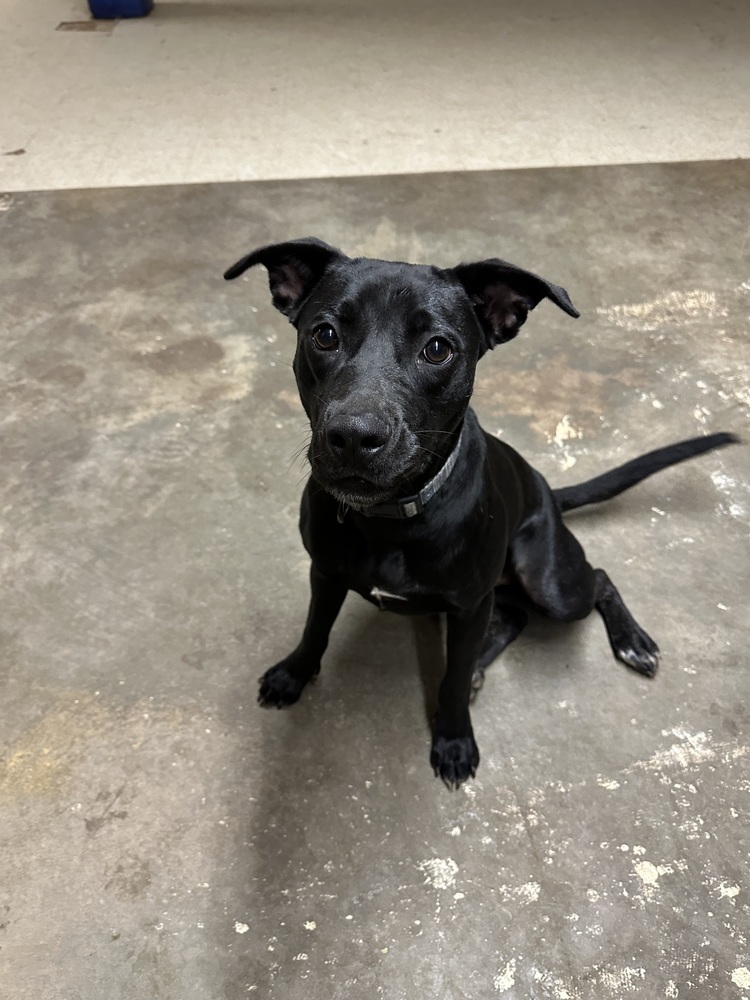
[
  {"x": 283, "y": 684},
  {"x": 455, "y": 754}
]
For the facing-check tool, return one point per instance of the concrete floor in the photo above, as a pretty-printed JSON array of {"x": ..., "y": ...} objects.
[
  {"x": 161, "y": 835},
  {"x": 256, "y": 89}
]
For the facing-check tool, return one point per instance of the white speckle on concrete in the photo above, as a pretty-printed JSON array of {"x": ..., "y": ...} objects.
[
  {"x": 671, "y": 991},
  {"x": 439, "y": 872},
  {"x": 456, "y": 831},
  {"x": 240, "y": 927},
  {"x": 622, "y": 979},
  {"x": 505, "y": 978},
  {"x": 310, "y": 925},
  {"x": 302, "y": 957},
  {"x": 647, "y": 872},
  {"x": 741, "y": 977},
  {"x": 609, "y": 783},
  {"x": 727, "y": 891},
  {"x": 527, "y": 893},
  {"x": 693, "y": 748},
  {"x": 564, "y": 432},
  {"x": 730, "y": 488},
  {"x": 674, "y": 309},
  {"x": 555, "y": 988},
  {"x": 692, "y": 828}
]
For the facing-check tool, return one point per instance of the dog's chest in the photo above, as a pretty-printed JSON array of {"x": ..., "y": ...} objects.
[
  {"x": 386, "y": 582},
  {"x": 391, "y": 580},
  {"x": 397, "y": 567}
]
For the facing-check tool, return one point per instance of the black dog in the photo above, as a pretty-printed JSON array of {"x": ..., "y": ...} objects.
[{"x": 410, "y": 503}]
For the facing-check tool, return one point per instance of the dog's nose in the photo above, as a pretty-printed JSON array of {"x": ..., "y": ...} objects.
[{"x": 352, "y": 436}]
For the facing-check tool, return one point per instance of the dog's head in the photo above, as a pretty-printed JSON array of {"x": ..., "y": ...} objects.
[{"x": 386, "y": 354}]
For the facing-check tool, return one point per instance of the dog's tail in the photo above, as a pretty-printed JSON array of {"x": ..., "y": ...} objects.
[{"x": 610, "y": 484}]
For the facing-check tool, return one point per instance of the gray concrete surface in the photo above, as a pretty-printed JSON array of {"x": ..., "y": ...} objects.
[
  {"x": 222, "y": 90},
  {"x": 162, "y": 836}
]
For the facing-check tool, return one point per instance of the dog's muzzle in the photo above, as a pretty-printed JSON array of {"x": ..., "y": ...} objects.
[
  {"x": 355, "y": 440},
  {"x": 359, "y": 457}
]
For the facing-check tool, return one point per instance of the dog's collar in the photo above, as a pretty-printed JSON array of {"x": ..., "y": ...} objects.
[{"x": 409, "y": 506}]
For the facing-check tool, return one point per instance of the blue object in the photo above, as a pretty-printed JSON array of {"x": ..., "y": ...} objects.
[{"x": 107, "y": 10}]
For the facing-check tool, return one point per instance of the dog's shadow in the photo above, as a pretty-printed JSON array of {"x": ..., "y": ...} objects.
[
  {"x": 349, "y": 763},
  {"x": 376, "y": 691},
  {"x": 371, "y": 709},
  {"x": 382, "y": 661}
]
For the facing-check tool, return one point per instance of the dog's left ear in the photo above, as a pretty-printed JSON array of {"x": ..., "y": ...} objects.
[
  {"x": 503, "y": 295},
  {"x": 294, "y": 269}
]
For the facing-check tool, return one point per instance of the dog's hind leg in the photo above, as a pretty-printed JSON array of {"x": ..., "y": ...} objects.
[
  {"x": 506, "y": 624},
  {"x": 552, "y": 567},
  {"x": 455, "y": 755},
  {"x": 630, "y": 643}
]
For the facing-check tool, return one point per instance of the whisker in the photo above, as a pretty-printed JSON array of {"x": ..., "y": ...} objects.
[
  {"x": 435, "y": 432},
  {"x": 299, "y": 452},
  {"x": 296, "y": 458},
  {"x": 429, "y": 451}
]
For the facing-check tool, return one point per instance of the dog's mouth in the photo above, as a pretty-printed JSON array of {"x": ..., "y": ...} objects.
[
  {"x": 356, "y": 491},
  {"x": 359, "y": 479}
]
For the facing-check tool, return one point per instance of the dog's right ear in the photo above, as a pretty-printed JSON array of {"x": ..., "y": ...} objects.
[{"x": 294, "y": 269}]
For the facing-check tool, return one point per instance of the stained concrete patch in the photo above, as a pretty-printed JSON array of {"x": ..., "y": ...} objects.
[
  {"x": 163, "y": 836},
  {"x": 193, "y": 355}
]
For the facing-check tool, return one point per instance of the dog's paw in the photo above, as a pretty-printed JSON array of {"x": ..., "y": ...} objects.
[
  {"x": 454, "y": 760},
  {"x": 279, "y": 686},
  {"x": 639, "y": 651}
]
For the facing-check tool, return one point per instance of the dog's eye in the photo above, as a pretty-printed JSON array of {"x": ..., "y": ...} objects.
[
  {"x": 437, "y": 351},
  {"x": 325, "y": 337}
]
